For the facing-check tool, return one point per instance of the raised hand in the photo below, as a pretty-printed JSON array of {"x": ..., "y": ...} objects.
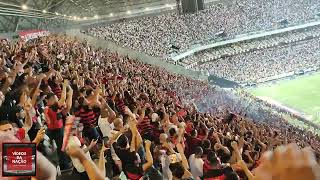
[
  {"x": 93, "y": 143},
  {"x": 103, "y": 147},
  {"x": 242, "y": 164},
  {"x": 124, "y": 129},
  {"x": 40, "y": 135},
  {"x": 76, "y": 152},
  {"x": 147, "y": 144},
  {"x": 289, "y": 162},
  {"x": 127, "y": 110},
  {"x": 247, "y": 152},
  {"x": 65, "y": 82},
  {"x": 27, "y": 106},
  {"x": 42, "y": 76},
  {"x": 234, "y": 145}
]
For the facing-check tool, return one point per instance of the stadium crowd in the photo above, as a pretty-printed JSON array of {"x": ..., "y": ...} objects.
[
  {"x": 263, "y": 63},
  {"x": 250, "y": 45},
  {"x": 112, "y": 116},
  {"x": 155, "y": 35}
]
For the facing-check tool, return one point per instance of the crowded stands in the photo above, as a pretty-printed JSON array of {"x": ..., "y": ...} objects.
[
  {"x": 191, "y": 62},
  {"x": 156, "y": 35},
  {"x": 255, "y": 65},
  {"x": 129, "y": 120}
]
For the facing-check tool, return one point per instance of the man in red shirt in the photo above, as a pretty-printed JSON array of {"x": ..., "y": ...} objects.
[{"x": 55, "y": 113}]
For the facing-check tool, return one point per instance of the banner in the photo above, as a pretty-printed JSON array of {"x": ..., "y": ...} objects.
[{"x": 32, "y": 34}]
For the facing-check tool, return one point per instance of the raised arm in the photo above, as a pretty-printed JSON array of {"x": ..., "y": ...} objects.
[
  {"x": 170, "y": 149},
  {"x": 149, "y": 158},
  {"x": 184, "y": 159},
  {"x": 240, "y": 162},
  {"x": 235, "y": 147},
  {"x": 9, "y": 81},
  {"x": 223, "y": 148},
  {"x": 91, "y": 169},
  {"x": 48, "y": 75},
  {"x": 244, "y": 167},
  {"x": 115, "y": 136},
  {"x": 64, "y": 92},
  {"x": 91, "y": 145},
  {"x": 37, "y": 89},
  {"x": 40, "y": 136},
  {"x": 102, "y": 159},
  {"x": 28, "y": 119},
  {"x": 143, "y": 113},
  {"x": 133, "y": 146},
  {"x": 181, "y": 131},
  {"x": 105, "y": 107},
  {"x": 216, "y": 137},
  {"x": 133, "y": 142},
  {"x": 69, "y": 98},
  {"x": 264, "y": 146},
  {"x": 94, "y": 100}
]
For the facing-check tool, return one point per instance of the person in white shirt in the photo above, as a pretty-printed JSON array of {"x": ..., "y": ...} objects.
[
  {"x": 106, "y": 126},
  {"x": 106, "y": 119},
  {"x": 74, "y": 140},
  {"x": 196, "y": 163},
  {"x": 118, "y": 124}
]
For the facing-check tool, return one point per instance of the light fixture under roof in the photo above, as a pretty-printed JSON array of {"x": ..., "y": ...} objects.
[
  {"x": 44, "y": 11},
  {"x": 96, "y": 16},
  {"x": 111, "y": 14},
  {"x": 24, "y": 7},
  {"x": 57, "y": 13},
  {"x": 84, "y": 18},
  {"x": 167, "y": 5},
  {"x": 128, "y": 12},
  {"x": 147, "y": 8}
]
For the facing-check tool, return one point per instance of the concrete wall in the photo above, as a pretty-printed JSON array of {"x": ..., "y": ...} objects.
[{"x": 9, "y": 36}]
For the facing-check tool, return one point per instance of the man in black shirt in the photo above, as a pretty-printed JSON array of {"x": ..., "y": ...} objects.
[{"x": 131, "y": 163}]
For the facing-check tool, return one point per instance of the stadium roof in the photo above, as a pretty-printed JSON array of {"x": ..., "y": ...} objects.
[{"x": 34, "y": 14}]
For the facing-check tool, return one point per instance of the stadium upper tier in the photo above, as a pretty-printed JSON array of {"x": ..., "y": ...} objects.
[
  {"x": 155, "y": 35},
  {"x": 255, "y": 65},
  {"x": 192, "y": 61}
]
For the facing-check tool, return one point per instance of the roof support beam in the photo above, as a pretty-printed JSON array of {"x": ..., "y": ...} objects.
[{"x": 56, "y": 4}]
